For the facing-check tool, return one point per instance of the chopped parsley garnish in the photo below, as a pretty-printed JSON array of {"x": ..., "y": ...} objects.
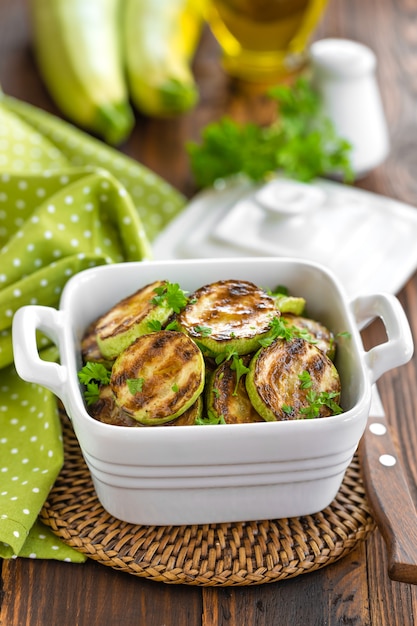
[
  {"x": 92, "y": 375},
  {"x": 283, "y": 330},
  {"x": 240, "y": 368},
  {"x": 135, "y": 385},
  {"x": 210, "y": 418},
  {"x": 204, "y": 331},
  {"x": 236, "y": 365},
  {"x": 94, "y": 372},
  {"x": 170, "y": 295},
  {"x": 279, "y": 329},
  {"x": 154, "y": 325},
  {"x": 173, "y": 326},
  {"x": 91, "y": 393},
  {"x": 229, "y": 353},
  {"x": 305, "y": 380},
  {"x": 279, "y": 290},
  {"x": 316, "y": 400}
]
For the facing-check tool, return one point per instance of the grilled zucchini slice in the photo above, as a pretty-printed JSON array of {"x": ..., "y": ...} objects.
[
  {"x": 130, "y": 318},
  {"x": 158, "y": 377},
  {"x": 190, "y": 416},
  {"x": 289, "y": 304},
  {"x": 313, "y": 331},
  {"x": 226, "y": 395},
  {"x": 293, "y": 380},
  {"x": 228, "y": 315},
  {"x": 107, "y": 411},
  {"x": 90, "y": 350}
]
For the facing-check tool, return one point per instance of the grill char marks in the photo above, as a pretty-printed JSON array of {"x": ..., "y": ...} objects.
[
  {"x": 275, "y": 382},
  {"x": 228, "y": 312},
  {"x": 107, "y": 411},
  {"x": 170, "y": 368},
  {"x": 129, "y": 319},
  {"x": 318, "y": 334},
  {"x": 228, "y": 400}
]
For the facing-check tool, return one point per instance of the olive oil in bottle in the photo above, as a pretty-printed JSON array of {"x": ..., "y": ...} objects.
[{"x": 264, "y": 39}]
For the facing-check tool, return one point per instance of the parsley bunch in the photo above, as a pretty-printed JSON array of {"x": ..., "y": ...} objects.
[
  {"x": 92, "y": 376},
  {"x": 301, "y": 144}
]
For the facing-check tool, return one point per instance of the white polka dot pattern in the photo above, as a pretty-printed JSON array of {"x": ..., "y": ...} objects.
[
  {"x": 72, "y": 227},
  {"x": 155, "y": 200},
  {"x": 30, "y": 456},
  {"x": 67, "y": 202}
]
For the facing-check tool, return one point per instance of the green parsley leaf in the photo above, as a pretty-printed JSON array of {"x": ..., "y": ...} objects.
[
  {"x": 318, "y": 399},
  {"x": 210, "y": 418},
  {"x": 173, "y": 325},
  {"x": 303, "y": 333},
  {"x": 279, "y": 290},
  {"x": 154, "y": 325},
  {"x": 170, "y": 295},
  {"x": 302, "y": 143},
  {"x": 135, "y": 385},
  {"x": 204, "y": 331},
  {"x": 94, "y": 373},
  {"x": 305, "y": 380},
  {"x": 240, "y": 368},
  {"x": 345, "y": 334},
  {"x": 279, "y": 329},
  {"x": 229, "y": 353},
  {"x": 91, "y": 393}
]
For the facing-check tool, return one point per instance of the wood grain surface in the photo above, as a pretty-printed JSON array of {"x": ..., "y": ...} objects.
[{"x": 357, "y": 590}]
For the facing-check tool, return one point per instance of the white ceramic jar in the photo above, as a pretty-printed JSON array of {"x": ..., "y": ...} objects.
[{"x": 343, "y": 72}]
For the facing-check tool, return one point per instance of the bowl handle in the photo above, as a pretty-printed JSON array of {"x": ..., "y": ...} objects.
[
  {"x": 398, "y": 349},
  {"x": 26, "y": 321}
]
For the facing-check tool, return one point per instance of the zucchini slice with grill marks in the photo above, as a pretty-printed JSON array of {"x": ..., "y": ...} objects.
[
  {"x": 228, "y": 315},
  {"x": 90, "y": 350},
  {"x": 226, "y": 394},
  {"x": 158, "y": 377},
  {"x": 292, "y": 380},
  {"x": 130, "y": 318},
  {"x": 190, "y": 416},
  {"x": 107, "y": 411},
  {"x": 313, "y": 331}
]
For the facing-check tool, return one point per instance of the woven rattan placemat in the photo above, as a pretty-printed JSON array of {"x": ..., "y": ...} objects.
[{"x": 235, "y": 554}]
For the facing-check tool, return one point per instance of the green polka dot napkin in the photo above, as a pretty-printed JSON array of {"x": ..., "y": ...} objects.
[{"x": 67, "y": 202}]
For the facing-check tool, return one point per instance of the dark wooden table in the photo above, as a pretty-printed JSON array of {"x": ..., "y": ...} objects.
[{"x": 356, "y": 589}]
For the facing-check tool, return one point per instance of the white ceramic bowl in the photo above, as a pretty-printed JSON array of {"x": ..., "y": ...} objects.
[{"x": 221, "y": 473}]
